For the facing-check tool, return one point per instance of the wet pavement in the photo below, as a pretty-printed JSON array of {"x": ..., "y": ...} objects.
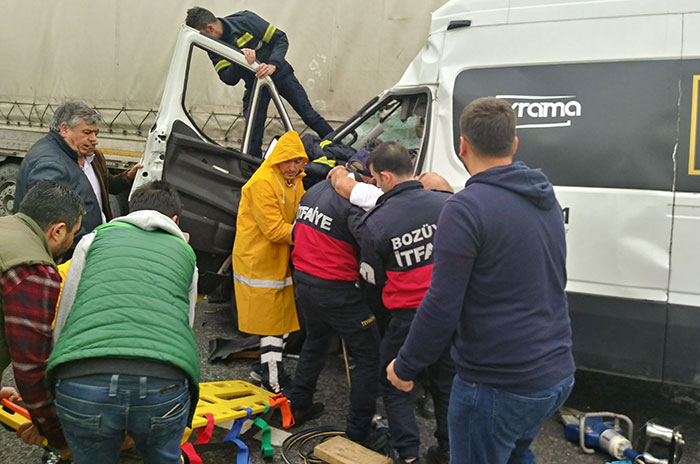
[{"x": 641, "y": 400}]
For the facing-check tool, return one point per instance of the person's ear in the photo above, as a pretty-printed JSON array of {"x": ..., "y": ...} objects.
[
  {"x": 515, "y": 145},
  {"x": 63, "y": 129},
  {"x": 463, "y": 147},
  {"x": 176, "y": 219},
  {"x": 56, "y": 232}
]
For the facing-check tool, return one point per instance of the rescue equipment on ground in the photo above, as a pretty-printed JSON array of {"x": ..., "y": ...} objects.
[
  {"x": 235, "y": 400},
  {"x": 603, "y": 431}
]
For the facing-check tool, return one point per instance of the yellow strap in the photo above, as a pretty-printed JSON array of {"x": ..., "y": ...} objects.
[
  {"x": 244, "y": 39},
  {"x": 325, "y": 143},
  {"x": 326, "y": 161},
  {"x": 269, "y": 33},
  {"x": 221, "y": 65}
]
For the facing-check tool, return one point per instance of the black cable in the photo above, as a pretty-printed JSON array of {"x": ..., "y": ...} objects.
[{"x": 299, "y": 447}]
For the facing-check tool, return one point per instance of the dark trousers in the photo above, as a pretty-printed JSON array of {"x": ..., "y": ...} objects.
[
  {"x": 399, "y": 406},
  {"x": 341, "y": 311},
  {"x": 291, "y": 90}
]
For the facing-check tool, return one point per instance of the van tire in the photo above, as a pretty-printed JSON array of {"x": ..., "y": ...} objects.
[{"x": 8, "y": 183}]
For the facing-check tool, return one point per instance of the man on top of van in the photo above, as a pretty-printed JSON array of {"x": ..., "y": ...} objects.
[
  {"x": 499, "y": 279},
  {"x": 258, "y": 40}
]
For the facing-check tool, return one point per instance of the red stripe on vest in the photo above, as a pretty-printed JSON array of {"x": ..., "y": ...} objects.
[
  {"x": 406, "y": 289},
  {"x": 323, "y": 256}
]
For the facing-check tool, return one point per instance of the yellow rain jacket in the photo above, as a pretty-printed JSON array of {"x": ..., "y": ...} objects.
[{"x": 262, "y": 275}]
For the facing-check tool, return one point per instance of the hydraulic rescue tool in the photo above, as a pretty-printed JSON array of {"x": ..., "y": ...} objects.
[{"x": 603, "y": 431}]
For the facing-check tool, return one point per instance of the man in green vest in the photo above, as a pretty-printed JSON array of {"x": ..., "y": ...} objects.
[
  {"x": 42, "y": 230},
  {"x": 125, "y": 360}
]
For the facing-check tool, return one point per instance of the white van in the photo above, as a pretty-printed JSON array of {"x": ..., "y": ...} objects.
[{"x": 607, "y": 97}]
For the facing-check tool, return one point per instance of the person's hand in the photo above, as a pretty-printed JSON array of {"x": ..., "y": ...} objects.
[
  {"x": 341, "y": 182},
  {"x": 249, "y": 55},
  {"x": 265, "y": 70},
  {"x": 128, "y": 443},
  {"x": 64, "y": 454},
  {"x": 30, "y": 434},
  {"x": 9, "y": 393},
  {"x": 403, "y": 385},
  {"x": 131, "y": 173},
  {"x": 336, "y": 171}
]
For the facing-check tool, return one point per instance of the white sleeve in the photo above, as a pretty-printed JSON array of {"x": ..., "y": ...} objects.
[
  {"x": 70, "y": 286},
  {"x": 193, "y": 294},
  {"x": 365, "y": 195}
]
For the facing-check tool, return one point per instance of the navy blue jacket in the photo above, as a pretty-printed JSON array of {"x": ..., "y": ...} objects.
[
  {"x": 245, "y": 29},
  {"x": 325, "y": 245},
  {"x": 397, "y": 243},
  {"x": 499, "y": 279},
  {"x": 52, "y": 159}
]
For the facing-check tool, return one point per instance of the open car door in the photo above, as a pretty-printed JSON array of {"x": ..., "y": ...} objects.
[{"x": 207, "y": 175}]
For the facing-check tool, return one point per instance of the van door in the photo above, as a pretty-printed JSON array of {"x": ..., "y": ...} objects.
[{"x": 207, "y": 175}]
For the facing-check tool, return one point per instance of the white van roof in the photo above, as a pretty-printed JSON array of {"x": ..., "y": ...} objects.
[{"x": 491, "y": 12}]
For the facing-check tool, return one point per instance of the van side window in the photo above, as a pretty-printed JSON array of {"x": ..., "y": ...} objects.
[{"x": 400, "y": 119}]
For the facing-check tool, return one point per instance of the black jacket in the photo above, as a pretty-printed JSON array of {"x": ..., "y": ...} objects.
[
  {"x": 245, "y": 29},
  {"x": 52, "y": 159},
  {"x": 397, "y": 243}
]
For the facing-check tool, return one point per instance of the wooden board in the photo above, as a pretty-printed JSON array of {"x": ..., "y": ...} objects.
[{"x": 339, "y": 450}]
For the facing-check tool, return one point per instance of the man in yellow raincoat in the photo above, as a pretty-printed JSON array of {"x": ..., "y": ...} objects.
[{"x": 261, "y": 271}]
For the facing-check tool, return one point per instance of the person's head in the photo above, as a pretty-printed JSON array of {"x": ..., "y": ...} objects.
[
  {"x": 78, "y": 125},
  {"x": 390, "y": 164},
  {"x": 57, "y": 210},
  {"x": 488, "y": 135},
  {"x": 157, "y": 196},
  {"x": 288, "y": 156},
  {"x": 291, "y": 168},
  {"x": 204, "y": 21},
  {"x": 357, "y": 164},
  {"x": 434, "y": 181}
]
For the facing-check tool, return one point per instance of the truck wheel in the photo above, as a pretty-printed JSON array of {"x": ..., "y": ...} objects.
[{"x": 8, "y": 181}]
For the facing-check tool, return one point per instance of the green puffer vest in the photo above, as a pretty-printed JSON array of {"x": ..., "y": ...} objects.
[
  {"x": 132, "y": 301},
  {"x": 23, "y": 244}
]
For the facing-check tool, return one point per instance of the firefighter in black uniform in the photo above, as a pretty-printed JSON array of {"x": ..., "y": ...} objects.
[
  {"x": 326, "y": 270},
  {"x": 396, "y": 245},
  {"x": 259, "y": 40}
]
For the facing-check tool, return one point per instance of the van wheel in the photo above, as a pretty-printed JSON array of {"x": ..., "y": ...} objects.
[{"x": 8, "y": 182}]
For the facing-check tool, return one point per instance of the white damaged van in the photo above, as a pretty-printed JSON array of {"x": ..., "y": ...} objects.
[{"x": 607, "y": 98}]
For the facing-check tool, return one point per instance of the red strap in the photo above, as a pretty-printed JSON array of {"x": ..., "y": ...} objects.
[
  {"x": 204, "y": 435},
  {"x": 192, "y": 456},
  {"x": 281, "y": 402}
]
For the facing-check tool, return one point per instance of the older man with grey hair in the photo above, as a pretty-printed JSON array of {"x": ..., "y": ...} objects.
[{"x": 67, "y": 155}]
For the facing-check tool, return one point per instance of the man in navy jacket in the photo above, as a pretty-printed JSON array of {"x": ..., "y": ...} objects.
[
  {"x": 497, "y": 294},
  {"x": 258, "y": 40},
  {"x": 397, "y": 258}
]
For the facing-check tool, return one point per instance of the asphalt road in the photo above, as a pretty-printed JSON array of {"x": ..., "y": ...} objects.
[{"x": 641, "y": 400}]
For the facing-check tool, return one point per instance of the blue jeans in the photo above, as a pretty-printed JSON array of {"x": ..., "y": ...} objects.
[
  {"x": 96, "y": 411},
  {"x": 491, "y": 426}
]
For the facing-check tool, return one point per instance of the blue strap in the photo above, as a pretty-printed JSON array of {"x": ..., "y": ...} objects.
[{"x": 243, "y": 457}]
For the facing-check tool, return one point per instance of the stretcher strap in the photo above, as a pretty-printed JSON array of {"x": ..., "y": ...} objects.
[
  {"x": 281, "y": 402},
  {"x": 243, "y": 457},
  {"x": 192, "y": 456},
  {"x": 204, "y": 434},
  {"x": 266, "y": 441}
]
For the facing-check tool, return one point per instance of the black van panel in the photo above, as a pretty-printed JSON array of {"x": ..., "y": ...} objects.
[{"x": 613, "y": 125}]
